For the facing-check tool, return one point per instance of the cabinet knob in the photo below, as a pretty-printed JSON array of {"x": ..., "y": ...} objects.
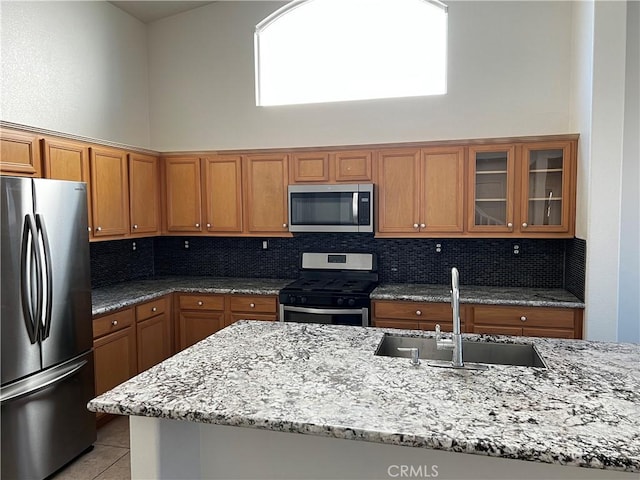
[
  {"x": 197, "y": 225},
  {"x": 154, "y": 309},
  {"x": 418, "y": 312},
  {"x": 284, "y": 225},
  {"x": 89, "y": 229},
  {"x": 252, "y": 305},
  {"x": 200, "y": 303},
  {"x": 114, "y": 322},
  {"x": 524, "y": 225},
  {"x": 510, "y": 225},
  {"x": 98, "y": 229},
  {"x": 208, "y": 225},
  {"x": 523, "y": 318},
  {"x": 135, "y": 226},
  {"x": 422, "y": 225},
  {"x": 415, "y": 225}
]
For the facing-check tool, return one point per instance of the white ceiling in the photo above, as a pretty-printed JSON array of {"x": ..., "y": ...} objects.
[{"x": 148, "y": 12}]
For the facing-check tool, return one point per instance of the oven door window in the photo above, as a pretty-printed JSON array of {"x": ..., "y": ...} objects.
[
  {"x": 332, "y": 319},
  {"x": 323, "y": 208}
]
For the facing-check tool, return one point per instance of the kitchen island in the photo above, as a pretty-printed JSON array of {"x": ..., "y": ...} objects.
[{"x": 317, "y": 403}]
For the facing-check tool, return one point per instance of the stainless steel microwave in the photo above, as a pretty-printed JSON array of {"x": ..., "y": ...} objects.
[{"x": 331, "y": 208}]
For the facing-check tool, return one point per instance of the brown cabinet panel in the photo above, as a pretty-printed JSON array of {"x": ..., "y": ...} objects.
[
  {"x": 414, "y": 310},
  {"x": 183, "y": 197},
  {"x": 19, "y": 154},
  {"x": 392, "y": 323},
  {"x": 309, "y": 167},
  {"x": 201, "y": 302},
  {"x": 112, "y": 322},
  {"x": 144, "y": 194},
  {"x": 154, "y": 341},
  {"x": 234, "y": 317},
  {"x": 253, "y": 303},
  {"x": 151, "y": 309},
  {"x": 490, "y": 330},
  {"x": 196, "y": 326},
  {"x": 115, "y": 359},
  {"x": 353, "y": 166},
  {"x": 223, "y": 194},
  {"x": 442, "y": 203},
  {"x": 524, "y": 316},
  {"x": 265, "y": 193},
  {"x": 109, "y": 192},
  {"x": 548, "y": 332}
]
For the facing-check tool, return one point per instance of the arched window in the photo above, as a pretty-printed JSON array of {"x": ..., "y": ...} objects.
[{"x": 312, "y": 51}]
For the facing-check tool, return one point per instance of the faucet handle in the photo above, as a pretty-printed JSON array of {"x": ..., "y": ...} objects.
[
  {"x": 415, "y": 354},
  {"x": 442, "y": 343}
]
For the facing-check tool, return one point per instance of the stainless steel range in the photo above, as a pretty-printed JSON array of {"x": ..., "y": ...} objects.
[{"x": 333, "y": 288}]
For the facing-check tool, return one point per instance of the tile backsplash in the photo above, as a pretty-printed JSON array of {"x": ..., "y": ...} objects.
[{"x": 499, "y": 262}]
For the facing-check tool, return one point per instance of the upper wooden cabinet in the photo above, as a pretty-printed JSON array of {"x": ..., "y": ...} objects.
[
  {"x": 223, "y": 193},
  {"x": 19, "y": 154},
  {"x": 144, "y": 195},
  {"x": 348, "y": 166},
  {"x": 525, "y": 190},
  {"x": 265, "y": 194},
  {"x": 183, "y": 194},
  {"x": 109, "y": 193},
  {"x": 420, "y": 191}
]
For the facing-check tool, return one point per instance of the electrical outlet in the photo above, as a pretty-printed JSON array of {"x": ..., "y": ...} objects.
[
  {"x": 134, "y": 247},
  {"x": 516, "y": 249},
  {"x": 186, "y": 244},
  {"x": 438, "y": 247}
]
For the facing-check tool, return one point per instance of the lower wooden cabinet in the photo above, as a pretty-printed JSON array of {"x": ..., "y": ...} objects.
[
  {"x": 199, "y": 316},
  {"x": 114, "y": 350},
  {"x": 415, "y": 315},
  {"x": 153, "y": 332},
  {"x": 252, "y": 307},
  {"x": 527, "y": 321}
]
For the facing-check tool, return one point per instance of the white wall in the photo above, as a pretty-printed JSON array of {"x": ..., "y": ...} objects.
[
  {"x": 509, "y": 74},
  {"x": 75, "y": 67}
]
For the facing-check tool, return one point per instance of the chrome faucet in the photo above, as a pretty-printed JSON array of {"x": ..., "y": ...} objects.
[{"x": 455, "y": 342}]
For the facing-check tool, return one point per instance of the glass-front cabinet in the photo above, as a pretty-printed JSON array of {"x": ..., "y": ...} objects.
[
  {"x": 491, "y": 188},
  {"x": 521, "y": 189},
  {"x": 546, "y": 189}
]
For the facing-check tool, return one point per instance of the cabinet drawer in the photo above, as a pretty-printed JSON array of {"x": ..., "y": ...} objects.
[
  {"x": 414, "y": 310},
  {"x": 253, "y": 303},
  {"x": 112, "y": 322},
  {"x": 201, "y": 302},
  {"x": 151, "y": 309},
  {"x": 524, "y": 316}
]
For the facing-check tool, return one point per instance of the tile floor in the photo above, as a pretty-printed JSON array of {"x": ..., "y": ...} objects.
[{"x": 109, "y": 459}]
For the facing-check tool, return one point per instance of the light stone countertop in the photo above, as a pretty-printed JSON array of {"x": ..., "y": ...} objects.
[{"x": 325, "y": 380}]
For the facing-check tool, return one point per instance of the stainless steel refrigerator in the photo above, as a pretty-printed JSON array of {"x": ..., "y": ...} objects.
[{"x": 46, "y": 331}]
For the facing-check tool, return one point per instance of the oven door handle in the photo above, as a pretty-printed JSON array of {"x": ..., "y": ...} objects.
[{"x": 324, "y": 311}]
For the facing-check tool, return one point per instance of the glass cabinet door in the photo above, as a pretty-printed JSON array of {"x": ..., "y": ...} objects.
[
  {"x": 545, "y": 185},
  {"x": 491, "y": 186}
]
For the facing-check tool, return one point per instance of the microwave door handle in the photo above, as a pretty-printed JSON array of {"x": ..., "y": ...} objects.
[{"x": 354, "y": 207}]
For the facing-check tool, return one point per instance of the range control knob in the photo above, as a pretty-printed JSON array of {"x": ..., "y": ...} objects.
[
  {"x": 303, "y": 299},
  {"x": 340, "y": 301},
  {"x": 351, "y": 302},
  {"x": 292, "y": 299}
]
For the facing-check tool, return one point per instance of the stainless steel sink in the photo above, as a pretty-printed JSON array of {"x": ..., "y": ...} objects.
[{"x": 524, "y": 355}]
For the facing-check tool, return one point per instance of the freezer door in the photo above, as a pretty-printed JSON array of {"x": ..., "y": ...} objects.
[
  {"x": 61, "y": 220},
  {"x": 18, "y": 329},
  {"x": 45, "y": 421}
]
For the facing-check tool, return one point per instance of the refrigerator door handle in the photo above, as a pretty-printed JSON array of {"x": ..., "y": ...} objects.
[
  {"x": 46, "y": 285},
  {"x": 26, "y": 283},
  {"x": 31, "y": 384}
]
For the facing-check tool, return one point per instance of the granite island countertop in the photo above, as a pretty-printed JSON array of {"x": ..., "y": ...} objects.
[
  {"x": 126, "y": 294},
  {"x": 524, "y": 296},
  {"x": 325, "y": 380}
]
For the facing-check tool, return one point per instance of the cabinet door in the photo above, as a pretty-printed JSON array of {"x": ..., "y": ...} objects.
[
  {"x": 492, "y": 330},
  {"x": 196, "y": 326},
  {"x": 442, "y": 202},
  {"x": 393, "y": 323},
  {"x": 265, "y": 193},
  {"x": 115, "y": 359},
  {"x": 547, "y": 193},
  {"x": 144, "y": 194},
  {"x": 19, "y": 154},
  {"x": 109, "y": 192},
  {"x": 223, "y": 193},
  {"x": 398, "y": 191},
  {"x": 491, "y": 189},
  {"x": 353, "y": 166},
  {"x": 309, "y": 167},
  {"x": 183, "y": 194},
  {"x": 154, "y": 341},
  {"x": 66, "y": 160}
]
